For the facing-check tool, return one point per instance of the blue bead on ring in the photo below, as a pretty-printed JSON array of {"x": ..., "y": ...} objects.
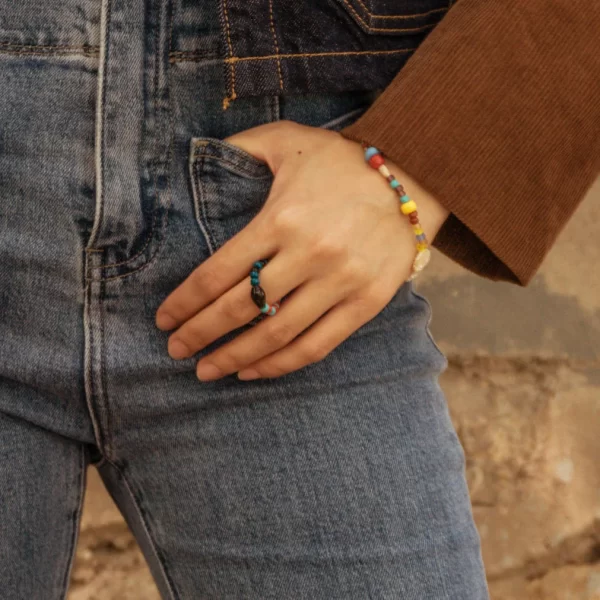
[{"x": 257, "y": 293}]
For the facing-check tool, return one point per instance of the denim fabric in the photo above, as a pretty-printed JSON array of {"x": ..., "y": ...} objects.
[
  {"x": 291, "y": 46},
  {"x": 343, "y": 480}
]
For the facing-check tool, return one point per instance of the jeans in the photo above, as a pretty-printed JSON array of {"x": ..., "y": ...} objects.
[{"x": 343, "y": 480}]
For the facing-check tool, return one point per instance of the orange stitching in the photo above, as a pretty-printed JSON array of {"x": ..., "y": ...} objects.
[
  {"x": 384, "y": 29},
  {"x": 275, "y": 42},
  {"x": 316, "y": 54},
  {"x": 191, "y": 57},
  {"x": 232, "y": 95},
  {"x": 198, "y": 53},
  {"x": 397, "y": 17}
]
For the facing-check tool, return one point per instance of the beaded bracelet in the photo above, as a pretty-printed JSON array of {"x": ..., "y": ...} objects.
[{"x": 408, "y": 207}]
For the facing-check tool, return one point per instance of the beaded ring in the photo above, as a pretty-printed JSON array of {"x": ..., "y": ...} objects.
[
  {"x": 408, "y": 207},
  {"x": 257, "y": 293}
]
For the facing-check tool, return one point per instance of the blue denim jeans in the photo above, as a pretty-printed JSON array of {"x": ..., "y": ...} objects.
[{"x": 343, "y": 480}]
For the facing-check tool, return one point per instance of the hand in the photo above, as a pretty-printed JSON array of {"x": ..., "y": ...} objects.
[{"x": 334, "y": 235}]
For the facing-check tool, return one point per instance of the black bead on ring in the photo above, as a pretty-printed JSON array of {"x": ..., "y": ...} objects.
[{"x": 257, "y": 293}]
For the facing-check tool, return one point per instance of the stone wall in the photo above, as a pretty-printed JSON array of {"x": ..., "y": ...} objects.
[{"x": 523, "y": 386}]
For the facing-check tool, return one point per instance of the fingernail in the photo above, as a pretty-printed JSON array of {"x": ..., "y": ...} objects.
[
  {"x": 165, "y": 321},
  {"x": 248, "y": 374},
  {"x": 208, "y": 371},
  {"x": 177, "y": 349}
]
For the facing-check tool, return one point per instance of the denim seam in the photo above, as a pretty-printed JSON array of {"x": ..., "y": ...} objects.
[
  {"x": 199, "y": 54},
  {"x": 156, "y": 206},
  {"x": 371, "y": 29},
  {"x": 429, "y": 319},
  {"x": 193, "y": 177},
  {"x": 99, "y": 142},
  {"x": 146, "y": 527},
  {"x": 169, "y": 203},
  {"x": 21, "y": 52},
  {"x": 203, "y": 219},
  {"x": 193, "y": 56},
  {"x": 76, "y": 520},
  {"x": 67, "y": 46},
  {"x": 231, "y": 95},
  {"x": 150, "y": 236},
  {"x": 89, "y": 348},
  {"x": 317, "y": 54},
  {"x": 272, "y": 25},
  {"x": 239, "y": 170},
  {"x": 103, "y": 379},
  {"x": 398, "y": 17}
]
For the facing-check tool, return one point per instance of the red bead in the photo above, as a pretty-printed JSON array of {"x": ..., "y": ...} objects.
[{"x": 376, "y": 161}]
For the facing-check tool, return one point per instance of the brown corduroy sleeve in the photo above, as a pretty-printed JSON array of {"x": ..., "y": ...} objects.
[{"x": 497, "y": 115}]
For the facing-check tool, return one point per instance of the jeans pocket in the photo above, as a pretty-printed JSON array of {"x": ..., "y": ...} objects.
[
  {"x": 395, "y": 17},
  {"x": 229, "y": 185}
]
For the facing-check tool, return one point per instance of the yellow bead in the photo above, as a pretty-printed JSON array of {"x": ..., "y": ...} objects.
[
  {"x": 408, "y": 207},
  {"x": 421, "y": 246},
  {"x": 417, "y": 229}
]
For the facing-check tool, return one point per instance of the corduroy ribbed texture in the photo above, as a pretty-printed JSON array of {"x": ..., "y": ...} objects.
[{"x": 497, "y": 115}]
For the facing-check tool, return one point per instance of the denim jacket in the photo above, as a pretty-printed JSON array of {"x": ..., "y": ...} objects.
[{"x": 296, "y": 46}]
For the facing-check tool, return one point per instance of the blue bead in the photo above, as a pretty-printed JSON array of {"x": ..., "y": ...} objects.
[
  {"x": 265, "y": 308},
  {"x": 394, "y": 183},
  {"x": 370, "y": 151},
  {"x": 258, "y": 264},
  {"x": 421, "y": 236},
  {"x": 404, "y": 198}
]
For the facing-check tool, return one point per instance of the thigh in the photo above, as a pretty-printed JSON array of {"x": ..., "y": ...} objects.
[
  {"x": 42, "y": 478},
  {"x": 342, "y": 480}
]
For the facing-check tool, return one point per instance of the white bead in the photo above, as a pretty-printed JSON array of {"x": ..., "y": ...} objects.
[
  {"x": 421, "y": 260},
  {"x": 384, "y": 171}
]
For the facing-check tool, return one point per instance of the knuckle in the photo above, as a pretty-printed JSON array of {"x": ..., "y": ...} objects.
[
  {"x": 207, "y": 280},
  {"x": 234, "y": 308},
  {"x": 329, "y": 248},
  {"x": 355, "y": 271},
  {"x": 285, "y": 221}
]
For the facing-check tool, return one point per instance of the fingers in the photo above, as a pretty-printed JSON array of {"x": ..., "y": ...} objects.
[
  {"x": 314, "y": 345},
  {"x": 217, "y": 275},
  {"x": 300, "y": 311},
  {"x": 235, "y": 308}
]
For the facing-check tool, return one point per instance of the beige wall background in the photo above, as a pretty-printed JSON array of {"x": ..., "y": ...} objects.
[{"x": 523, "y": 386}]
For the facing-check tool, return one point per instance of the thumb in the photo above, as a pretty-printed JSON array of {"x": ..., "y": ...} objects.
[{"x": 269, "y": 142}]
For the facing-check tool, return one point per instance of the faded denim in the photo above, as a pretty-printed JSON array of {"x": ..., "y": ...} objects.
[{"x": 344, "y": 480}]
